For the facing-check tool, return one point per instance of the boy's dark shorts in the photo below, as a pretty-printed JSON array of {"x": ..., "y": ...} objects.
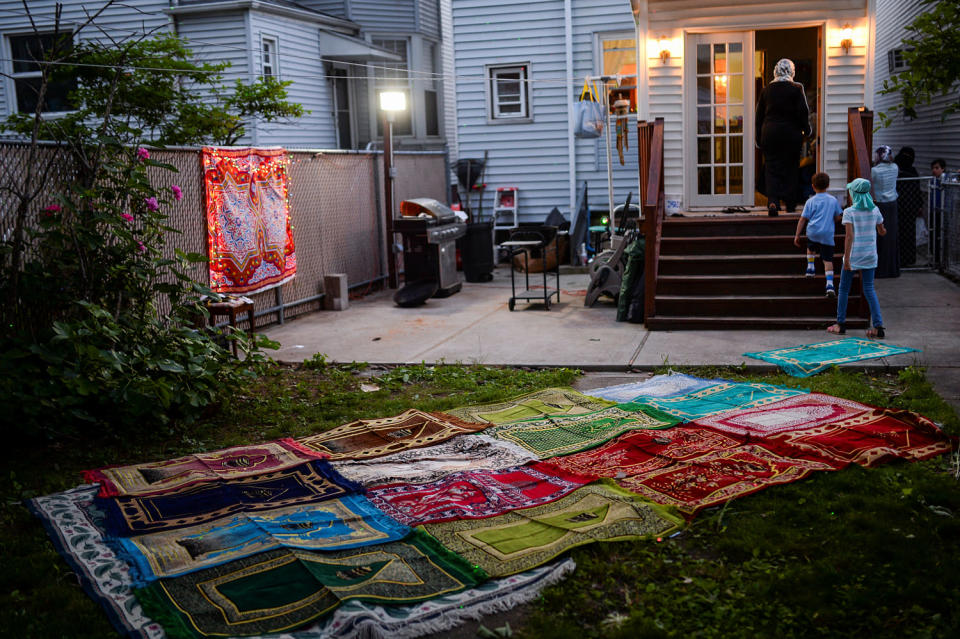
[{"x": 825, "y": 250}]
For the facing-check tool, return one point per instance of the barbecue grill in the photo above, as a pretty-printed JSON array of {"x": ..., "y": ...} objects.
[{"x": 430, "y": 230}]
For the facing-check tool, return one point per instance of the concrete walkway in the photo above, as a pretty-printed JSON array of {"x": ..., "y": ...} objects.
[{"x": 474, "y": 326}]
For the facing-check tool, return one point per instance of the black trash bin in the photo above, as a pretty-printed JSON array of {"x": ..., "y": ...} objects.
[{"x": 476, "y": 252}]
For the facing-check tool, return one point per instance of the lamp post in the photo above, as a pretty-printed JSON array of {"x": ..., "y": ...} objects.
[{"x": 390, "y": 103}]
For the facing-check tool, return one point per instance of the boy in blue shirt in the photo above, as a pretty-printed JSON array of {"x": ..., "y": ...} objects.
[{"x": 820, "y": 215}]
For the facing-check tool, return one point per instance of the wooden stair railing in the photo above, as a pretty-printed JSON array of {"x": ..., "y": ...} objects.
[{"x": 651, "y": 184}]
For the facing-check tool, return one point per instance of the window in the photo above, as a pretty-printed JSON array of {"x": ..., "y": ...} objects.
[
  {"x": 26, "y": 52},
  {"x": 618, "y": 54},
  {"x": 896, "y": 62},
  {"x": 509, "y": 92},
  {"x": 431, "y": 96},
  {"x": 268, "y": 51},
  {"x": 394, "y": 76}
]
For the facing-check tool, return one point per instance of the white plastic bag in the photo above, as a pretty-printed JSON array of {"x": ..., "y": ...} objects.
[{"x": 923, "y": 235}]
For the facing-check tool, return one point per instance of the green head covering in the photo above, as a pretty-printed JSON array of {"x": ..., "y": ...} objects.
[{"x": 860, "y": 192}]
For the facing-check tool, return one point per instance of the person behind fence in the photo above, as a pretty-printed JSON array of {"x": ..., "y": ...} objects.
[
  {"x": 937, "y": 169},
  {"x": 909, "y": 205},
  {"x": 863, "y": 222},
  {"x": 884, "y": 177},
  {"x": 820, "y": 215}
]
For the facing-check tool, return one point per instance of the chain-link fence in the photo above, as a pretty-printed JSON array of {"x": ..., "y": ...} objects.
[
  {"x": 336, "y": 206},
  {"x": 927, "y": 220},
  {"x": 947, "y": 219}
]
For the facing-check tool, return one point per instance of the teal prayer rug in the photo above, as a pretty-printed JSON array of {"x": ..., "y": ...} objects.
[
  {"x": 810, "y": 359},
  {"x": 718, "y": 398}
]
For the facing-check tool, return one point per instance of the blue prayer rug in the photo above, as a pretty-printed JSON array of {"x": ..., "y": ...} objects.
[{"x": 810, "y": 359}]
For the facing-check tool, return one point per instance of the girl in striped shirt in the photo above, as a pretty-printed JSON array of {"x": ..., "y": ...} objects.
[{"x": 863, "y": 222}]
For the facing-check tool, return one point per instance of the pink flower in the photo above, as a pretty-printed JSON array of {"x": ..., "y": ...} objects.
[
  {"x": 53, "y": 208},
  {"x": 151, "y": 203},
  {"x": 177, "y": 193},
  {"x": 143, "y": 154},
  {"x": 127, "y": 217},
  {"x": 141, "y": 247}
]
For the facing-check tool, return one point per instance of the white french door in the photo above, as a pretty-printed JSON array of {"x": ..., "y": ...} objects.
[{"x": 718, "y": 125}]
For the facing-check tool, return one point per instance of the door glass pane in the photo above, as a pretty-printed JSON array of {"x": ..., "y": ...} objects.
[
  {"x": 735, "y": 57},
  {"x": 703, "y": 180},
  {"x": 719, "y": 58},
  {"x": 703, "y": 90},
  {"x": 735, "y": 119},
  {"x": 703, "y": 58},
  {"x": 736, "y": 149},
  {"x": 720, "y": 121},
  {"x": 703, "y": 150},
  {"x": 735, "y": 90},
  {"x": 720, "y": 149},
  {"x": 703, "y": 120},
  {"x": 736, "y": 179},
  {"x": 720, "y": 180},
  {"x": 720, "y": 89}
]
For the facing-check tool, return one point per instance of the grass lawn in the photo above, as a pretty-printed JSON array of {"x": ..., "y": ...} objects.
[{"x": 851, "y": 553}]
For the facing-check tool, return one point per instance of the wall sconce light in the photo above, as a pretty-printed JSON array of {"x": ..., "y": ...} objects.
[
  {"x": 664, "y": 49},
  {"x": 846, "y": 38}
]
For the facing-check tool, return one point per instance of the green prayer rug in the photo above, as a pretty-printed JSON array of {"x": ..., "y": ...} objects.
[
  {"x": 550, "y": 401},
  {"x": 524, "y": 539},
  {"x": 279, "y": 590},
  {"x": 718, "y": 398},
  {"x": 810, "y": 359},
  {"x": 567, "y": 434}
]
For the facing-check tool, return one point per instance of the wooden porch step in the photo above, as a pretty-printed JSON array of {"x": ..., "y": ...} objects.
[
  {"x": 749, "y": 305},
  {"x": 738, "y": 245},
  {"x": 729, "y": 225},
  {"x": 752, "y": 284},
  {"x": 775, "y": 264},
  {"x": 687, "y": 323}
]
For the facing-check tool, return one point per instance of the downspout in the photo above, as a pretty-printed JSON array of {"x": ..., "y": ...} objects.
[
  {"x": 251, "y": 62},
  {"x": 869, "y": 91},
  {"x": 643, "y": 90},
  {"x": 568, "y": 90}
]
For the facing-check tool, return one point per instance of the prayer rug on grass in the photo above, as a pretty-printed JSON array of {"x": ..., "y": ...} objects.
[
  {"x": 367, "y": 438},
  {"x": 200, "y": 503},
  {"x": 335, "y": 524},
  {"x": 422, "y": 465},
  {"x": 657, "y": 386},
  {"x": 156, "y": 478},
  {"x": 563, "y": 435},
  {"x": 249, "y": 237},
  {"x": 523, "y": 539},
  {"x": 690, "y": 467},
  {"x": 718, "y": 398},
  {"x": 810, "y": 359},
  {"x": 550, "y": 401},
  {"x": 794, "y": 413},
  {"x": 279, "y": 590},
  {"x": 870, "y": 438},
  {"x": 475, "y": 494}
]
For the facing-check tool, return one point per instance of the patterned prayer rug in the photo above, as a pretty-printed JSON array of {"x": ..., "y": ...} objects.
[
  {"x": 475, "y": 494},
  {"x": 156, "y": 478},
  {"x": 657, "y": 386},
  {"x": 522, "y": 539},
  {"x": 810, "y": 359},
  {"x": 366, "y": 438},
  {"x": 870, "y": 438},
  {"x": 550, "y": 401},
  {"x": 718, "y": 398},
  {"x": 279, "y": 590},
  {"x": 422, "y": 465},
  {"x": 691, "y": 468},
  {"x": 563, "y": 435},
  {"x": 249, "y": 237},
  {"x": 136, "y": 515},
  {"x": 793, "y": 413},
  {"x": 334, "y": 524}
]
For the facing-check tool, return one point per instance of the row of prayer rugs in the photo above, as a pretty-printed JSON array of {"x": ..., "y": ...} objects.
[{"x": 409, "y": 524}]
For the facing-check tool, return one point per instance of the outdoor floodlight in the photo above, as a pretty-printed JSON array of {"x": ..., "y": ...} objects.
[
  {"x": 846, "y": 38},
  {"x": 664, "y": 49},
  {"x": 393, "y": 101}
]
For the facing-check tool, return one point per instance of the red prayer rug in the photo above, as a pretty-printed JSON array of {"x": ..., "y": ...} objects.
[
  {"x": 249, "y": 237},
  {"x": 794, "y": 413},
  {"x": 476, "y": 494},
  {"x": 691, "y": 468}
]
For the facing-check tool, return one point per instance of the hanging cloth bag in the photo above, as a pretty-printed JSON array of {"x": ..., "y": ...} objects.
[{"x": 588, "y": 114}]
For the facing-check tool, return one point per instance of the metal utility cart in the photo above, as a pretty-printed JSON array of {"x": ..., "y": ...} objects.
[{"x": 525, "y": 240}]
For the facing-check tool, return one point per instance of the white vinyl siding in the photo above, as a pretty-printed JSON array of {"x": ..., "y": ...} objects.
[{"x": 387, "y": 16}]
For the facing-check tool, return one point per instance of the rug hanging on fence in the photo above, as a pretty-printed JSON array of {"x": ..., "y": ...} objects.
[
  {"x": 136, "y": 515},
  {"x": 335, "y": 524},
  {"x": 810, "y": 359},
  {"x": 692, "y": 468},
  {"x": 523, "y": 539},
  {"x": 249, "y": 236},
  {"x": 564, "y": 435},
  {"x": 794, "y": 413},
  {"x": 156, "y": 478},
  {"x": 657, "y": 386},
  {"x": 718, "y": 398},
  {"x": 279, "y": 590},
  {"x": 367, "y": 438},
  {"x": 422, "y": 465},
  {"x": 475, "y": 494},
  {"x": 550, "y": 401}
]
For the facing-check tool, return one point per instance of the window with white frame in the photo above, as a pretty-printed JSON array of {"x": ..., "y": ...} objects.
[
  {"x": 618, "y": 55},
  {"x": 268, "y": 60},
  {"x": 509, "y": 92},
  {"x": 896, "y": 62},
  {"x": 26, "y": 54},
  {"x": 394, "y": 76}
]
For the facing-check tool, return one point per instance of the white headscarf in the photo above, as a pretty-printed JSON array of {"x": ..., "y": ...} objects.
[{"x": 784, "y": 71}]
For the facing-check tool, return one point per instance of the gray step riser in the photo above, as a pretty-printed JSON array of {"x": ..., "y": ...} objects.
[{"x": 755, "y": 245}]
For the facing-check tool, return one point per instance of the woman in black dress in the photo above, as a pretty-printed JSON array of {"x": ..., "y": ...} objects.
[{"x": 782, "y": 121}]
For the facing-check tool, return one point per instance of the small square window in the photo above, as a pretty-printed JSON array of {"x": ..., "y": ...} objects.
[
  {"x": 268, "y": 52},
  {"x": 27, "y": 52},
  {"x": 509, "y": 92},
  {"x": 896, "y": 62}
]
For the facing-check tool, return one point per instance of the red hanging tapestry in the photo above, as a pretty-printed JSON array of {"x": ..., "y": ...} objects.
[{"x": 249, "y": 238}]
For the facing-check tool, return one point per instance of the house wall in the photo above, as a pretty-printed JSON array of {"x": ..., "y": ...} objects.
[
  {"x": 389, "y": 17},
  {"x": 930, "y": 136},
  {"x": 448, "y": 68},
  {"x": 338, "y": 8}
]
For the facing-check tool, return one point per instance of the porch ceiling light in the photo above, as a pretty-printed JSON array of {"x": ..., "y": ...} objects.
[
  {"x": 393, "y": 101},
  {"x": 664, "y": 49},
  {"x": 846, "y": 38}
]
